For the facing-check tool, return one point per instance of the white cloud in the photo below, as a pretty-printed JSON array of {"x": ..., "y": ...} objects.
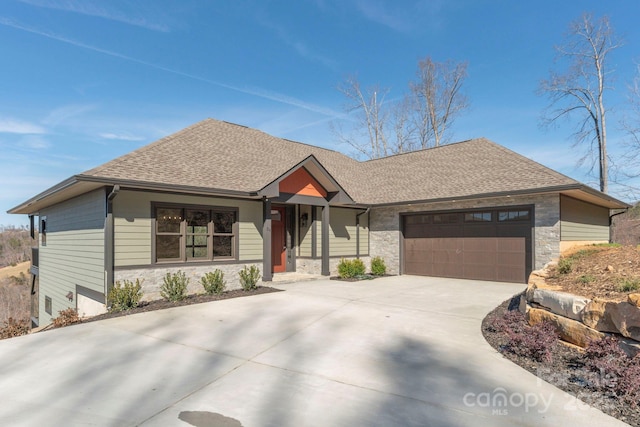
[
  {"x": 121, "y": 136},
  {"x": 9, "y": 125},
  {"x": 64, "y": 113},
  {"x": 35, "y": 142},
  {"x": 130, "y": 14}
]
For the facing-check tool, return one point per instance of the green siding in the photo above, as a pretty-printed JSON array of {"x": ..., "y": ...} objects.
[
  {"x": 582, "y": 221},
  {"x": 342, "y": 233},
  {"x": 305, "y": 233},
  {"x": 74, "y": 252},
  {"x": 132, "y": 218}
]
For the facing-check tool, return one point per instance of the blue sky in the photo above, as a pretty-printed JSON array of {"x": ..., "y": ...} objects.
[{"x": 83, "y": 82}]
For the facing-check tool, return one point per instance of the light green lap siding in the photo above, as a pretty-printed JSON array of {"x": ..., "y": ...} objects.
[
  {"x": 305, "y": 232},
  {"x": 133, "y": 230},
  {"x": 73, "y": 253},
  {"x": 582, "y": 221},
  {"x": 342, "y": 233}
]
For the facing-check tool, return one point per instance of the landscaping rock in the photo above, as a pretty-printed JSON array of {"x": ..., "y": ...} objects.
[
  {"x": 569, "y": 330},
  {"x": 626, "y": 318},
  {"x": 523, "y": 306},
  {"x": 564, "y": 304},
  {"x": 597, "y": 315},
  {"x": 631, "y": 347},
  {"x": 634, "y": 299}
]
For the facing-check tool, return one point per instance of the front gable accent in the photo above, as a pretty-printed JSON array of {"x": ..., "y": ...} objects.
[
  {"x": 301, "y": 183},
  {"x": 308, "y": 182}
]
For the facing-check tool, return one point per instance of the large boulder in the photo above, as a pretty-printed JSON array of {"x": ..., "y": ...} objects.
[
  {"x": 597, "y": 315},
  {"x": 562, "y": 303},
  {"x": 634, "y": 299},
  {"x": 569, "y": 330},
  {"x": 626, "y": 318}
]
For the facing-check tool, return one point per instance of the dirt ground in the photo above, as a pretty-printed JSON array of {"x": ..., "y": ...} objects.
[
  {"x": 600, "y": 271},
  {"x": 7, "y": 272}
]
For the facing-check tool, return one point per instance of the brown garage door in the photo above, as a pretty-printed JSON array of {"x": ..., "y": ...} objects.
[{"x": 483, "y": 245}]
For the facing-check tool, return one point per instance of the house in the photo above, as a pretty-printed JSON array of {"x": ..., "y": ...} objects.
[{"x": 220, "y": 195}]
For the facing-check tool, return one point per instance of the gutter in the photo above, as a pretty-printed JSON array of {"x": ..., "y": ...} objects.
[{"x": 358, "y": 231}]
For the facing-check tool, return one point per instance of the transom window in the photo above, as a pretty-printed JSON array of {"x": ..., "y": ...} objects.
[
  {"x": 515, "y": 215},
  {"x": 477, "y": 217},
  {"x": 195, "y": 233}
]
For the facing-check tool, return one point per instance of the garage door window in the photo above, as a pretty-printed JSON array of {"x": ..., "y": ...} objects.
[
  {"x": 478, "y": 217},
  {"x": 523, "y": 215},
  {"x": 445, "y": 218}
]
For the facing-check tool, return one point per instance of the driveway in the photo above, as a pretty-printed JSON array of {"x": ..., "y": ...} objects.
[{"x": 403, "y": 351}]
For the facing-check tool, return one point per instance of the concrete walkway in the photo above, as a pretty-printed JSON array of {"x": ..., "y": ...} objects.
[{"x": 398, "y": 351}]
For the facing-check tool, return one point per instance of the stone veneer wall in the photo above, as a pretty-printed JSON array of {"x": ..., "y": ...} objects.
[
  {"x": 385, "y": 225},
  {"x": 153, "y": 276},
  {"x": 314, "y": 266}
]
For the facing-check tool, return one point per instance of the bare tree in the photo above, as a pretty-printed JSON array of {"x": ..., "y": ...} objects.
[
  {"x": 581, "y": 88},
  {"x": 438, "y": 99},
  {"x": 418, "y": 120},
  {"x": 367, "y": 108}
]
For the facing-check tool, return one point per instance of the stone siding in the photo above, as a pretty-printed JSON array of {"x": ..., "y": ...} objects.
[
  {"x": 385, "y": 225},
  {"x": 314, "y": 266},
  {"x": 153, "y": 277}
]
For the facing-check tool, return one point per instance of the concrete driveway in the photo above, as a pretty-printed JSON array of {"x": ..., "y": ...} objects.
[{"x": 403, "y": 351}]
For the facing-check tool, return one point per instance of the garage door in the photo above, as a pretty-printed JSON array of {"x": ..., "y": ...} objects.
[{"x": 483, "y": 245}]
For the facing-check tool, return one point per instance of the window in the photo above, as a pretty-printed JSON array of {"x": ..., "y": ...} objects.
[
  {"x": 477, "y": 217},
  {"x": 451, "y": 218},
  {"x": 515, "y": 215},
  {"x": 47, "y": 305},
  {"x": 43, "y": 230},
  {"x": 195, "y": 233}
]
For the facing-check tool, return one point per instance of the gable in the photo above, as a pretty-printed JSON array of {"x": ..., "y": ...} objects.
[{"x": 300, "y": 182}]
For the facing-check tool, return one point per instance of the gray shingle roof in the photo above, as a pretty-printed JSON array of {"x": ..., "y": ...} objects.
[{"x": 219, "y": 155}]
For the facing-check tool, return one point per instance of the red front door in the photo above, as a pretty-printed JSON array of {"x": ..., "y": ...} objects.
[{"x": 278, "y": 240}]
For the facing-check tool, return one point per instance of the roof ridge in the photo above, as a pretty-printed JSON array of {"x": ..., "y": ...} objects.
[{"x": 422, "y": 150}]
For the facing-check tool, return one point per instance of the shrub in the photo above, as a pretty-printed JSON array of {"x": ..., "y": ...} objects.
[
  {"x": 174, "y": 286},
  {"x": 616, "y": 372},
  {"x": 378, "y": 268},
  {"x": 351, "y": 268},
  {"x": 565, "y": 265},
  {"x": 66, "y": 317},
  {"x": 13, "y": 328},
  {"x": 535, "y": 342},
  {"x": 249, "y": 277},
  {"x": 214, "y": 283},
  {"x": 629, "y": 284},
  {"x": 585, "y": 279},
  {"x": 125, "y": 296}
]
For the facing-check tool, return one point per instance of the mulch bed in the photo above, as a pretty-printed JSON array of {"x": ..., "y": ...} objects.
[
  {"x": 190, "y": 299},
  {"x": 565, "y": 371},
  {"x": 358, "y": 278},
  {"x": 598, "y": 271}
]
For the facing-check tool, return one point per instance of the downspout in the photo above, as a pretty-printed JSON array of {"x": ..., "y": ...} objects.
[
  {"x": 611, "y": 220},
  {"x": 109, "y": 253},
  {"x": 358, "y": 231}
]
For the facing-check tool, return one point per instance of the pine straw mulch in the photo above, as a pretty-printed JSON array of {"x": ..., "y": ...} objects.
[{"x": 600, "y": 271}]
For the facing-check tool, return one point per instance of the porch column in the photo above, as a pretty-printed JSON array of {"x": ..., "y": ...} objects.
[
  {"x": 267, "y": 274},
  {"x": 325, "y": 241}
]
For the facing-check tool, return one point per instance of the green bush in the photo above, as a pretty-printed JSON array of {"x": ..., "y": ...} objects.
[
  {"x": 349, "y": 268},
  {"x": 174, "y": 286},
  {"x": 249, "y": 277},
  {"x": 125, "y": 296},
  {"x": 565, "y": 265},
  {"x": 585, "y": 279},
  {"x": 378, "y": 268},
  {"x": 629, "y": 284},
  {"x": 214, "y": 283}
]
